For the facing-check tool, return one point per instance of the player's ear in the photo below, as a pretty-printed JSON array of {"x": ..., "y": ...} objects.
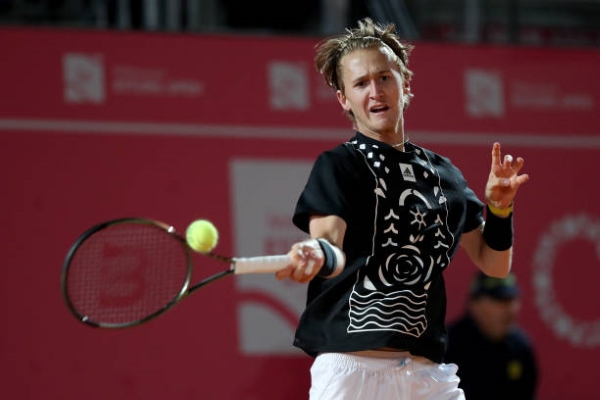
[{"x": 341, "y": 97}]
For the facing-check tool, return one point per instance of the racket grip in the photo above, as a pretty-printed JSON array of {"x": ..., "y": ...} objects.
[{"x": 259, "y": 265}]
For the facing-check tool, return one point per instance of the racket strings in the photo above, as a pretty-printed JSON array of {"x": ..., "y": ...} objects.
[{"x": 125, "y": 273}]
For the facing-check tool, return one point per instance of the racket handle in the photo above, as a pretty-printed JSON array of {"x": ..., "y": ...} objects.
[{"x": 259, "y": 265}]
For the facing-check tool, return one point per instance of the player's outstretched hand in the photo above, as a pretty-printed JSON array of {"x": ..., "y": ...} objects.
[{"x": 504, "y": 179}]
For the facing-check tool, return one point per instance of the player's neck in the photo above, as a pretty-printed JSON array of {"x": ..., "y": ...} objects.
[
  {"x": 396, "y": 140},
  {"x": 400, "y": 145}
]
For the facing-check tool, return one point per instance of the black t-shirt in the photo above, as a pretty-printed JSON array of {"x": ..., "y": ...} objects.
[
  {"x": 492, "y": 370},
  {"x": 405, "y": 213}
]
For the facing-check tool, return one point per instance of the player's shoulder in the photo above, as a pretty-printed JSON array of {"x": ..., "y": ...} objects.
[
  {"x": 343, "y": 153},
  {"x": 442, "y": 163},
  {"x": 432, "y": 155}
]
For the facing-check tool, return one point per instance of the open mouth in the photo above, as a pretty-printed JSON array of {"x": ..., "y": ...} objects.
[{"x": 379, "y": 109}]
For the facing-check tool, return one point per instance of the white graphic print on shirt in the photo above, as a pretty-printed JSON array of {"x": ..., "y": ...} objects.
[{"x": 411, "y": 241}]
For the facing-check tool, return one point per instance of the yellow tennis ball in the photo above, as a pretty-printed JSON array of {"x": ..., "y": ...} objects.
[{"x": 202, "y": 236}]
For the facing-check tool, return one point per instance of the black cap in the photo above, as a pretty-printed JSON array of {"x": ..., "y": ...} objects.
[{"x": 498, "y": 288}]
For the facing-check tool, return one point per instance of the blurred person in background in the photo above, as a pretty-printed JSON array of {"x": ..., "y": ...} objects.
[{"x": 495, "y": 358}]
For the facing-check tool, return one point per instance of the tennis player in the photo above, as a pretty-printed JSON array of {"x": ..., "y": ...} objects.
[{"x": 385, "y": 218}]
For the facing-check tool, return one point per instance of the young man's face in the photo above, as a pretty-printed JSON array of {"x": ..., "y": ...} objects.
[
  {"x": 373, "y": 92},
  {"x": 495, "y": 317}
]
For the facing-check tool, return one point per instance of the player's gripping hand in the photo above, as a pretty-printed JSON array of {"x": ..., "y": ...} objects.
[
  {"x": 307, "y": 260},
  {"x": 504, "y": 179}
]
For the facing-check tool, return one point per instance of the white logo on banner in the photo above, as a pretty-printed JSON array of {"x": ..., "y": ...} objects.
[
  {"x": 264, "y": 198},
  {"x": 484, "y": 93},
  {"x": 83, "y": 76},
  {"x": 576, "y": 331},
  {"x": 548, "y": 96},
  {"x": 152, "y": 81},
  {"x": 288, "y": 85}
]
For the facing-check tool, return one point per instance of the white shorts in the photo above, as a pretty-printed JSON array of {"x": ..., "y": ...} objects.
[{"x": 379, "y": 375}]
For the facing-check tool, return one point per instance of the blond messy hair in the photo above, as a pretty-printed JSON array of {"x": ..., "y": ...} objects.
[{"x": 367, "y": 35}]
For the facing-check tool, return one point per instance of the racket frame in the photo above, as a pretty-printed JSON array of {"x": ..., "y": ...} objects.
[
  {"x": 183, "y": 292},
  {"x": 242, "y": 265}
]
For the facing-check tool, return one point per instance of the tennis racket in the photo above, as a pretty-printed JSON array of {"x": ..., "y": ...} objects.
[{"x": 128, "y": 271}]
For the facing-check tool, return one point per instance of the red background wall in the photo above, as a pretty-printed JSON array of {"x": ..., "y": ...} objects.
[{"x": 100, "y": 125}]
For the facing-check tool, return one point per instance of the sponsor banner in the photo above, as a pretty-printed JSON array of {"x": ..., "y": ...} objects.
[
  {"x": 113, "y": 76},
  {"x": 59, "y": 184},
  {"x": 264, "y": 193},
  {"x": 501, "y": 90}
]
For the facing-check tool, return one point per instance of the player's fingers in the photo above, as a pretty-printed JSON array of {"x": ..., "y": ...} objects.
[
  {"x": 511, "y": 166},
  {"x": 522, "y": 179},
  {"x": 284, "y": 273},
  {"x": 299, "y": 274},
  {"x": 306, "y": 258},
  {"x": 496, "y": 154},
  {"x": 518, "y": 164},
  {"x": 310, "y": 267}
]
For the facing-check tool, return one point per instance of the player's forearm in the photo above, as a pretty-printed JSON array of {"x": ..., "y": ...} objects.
[
  {"x": 495, "y": 263},
  {"x": 329, "y": 227},
  {"x": 495, "y": 248},
  {"x": 492, "y": 261}
]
